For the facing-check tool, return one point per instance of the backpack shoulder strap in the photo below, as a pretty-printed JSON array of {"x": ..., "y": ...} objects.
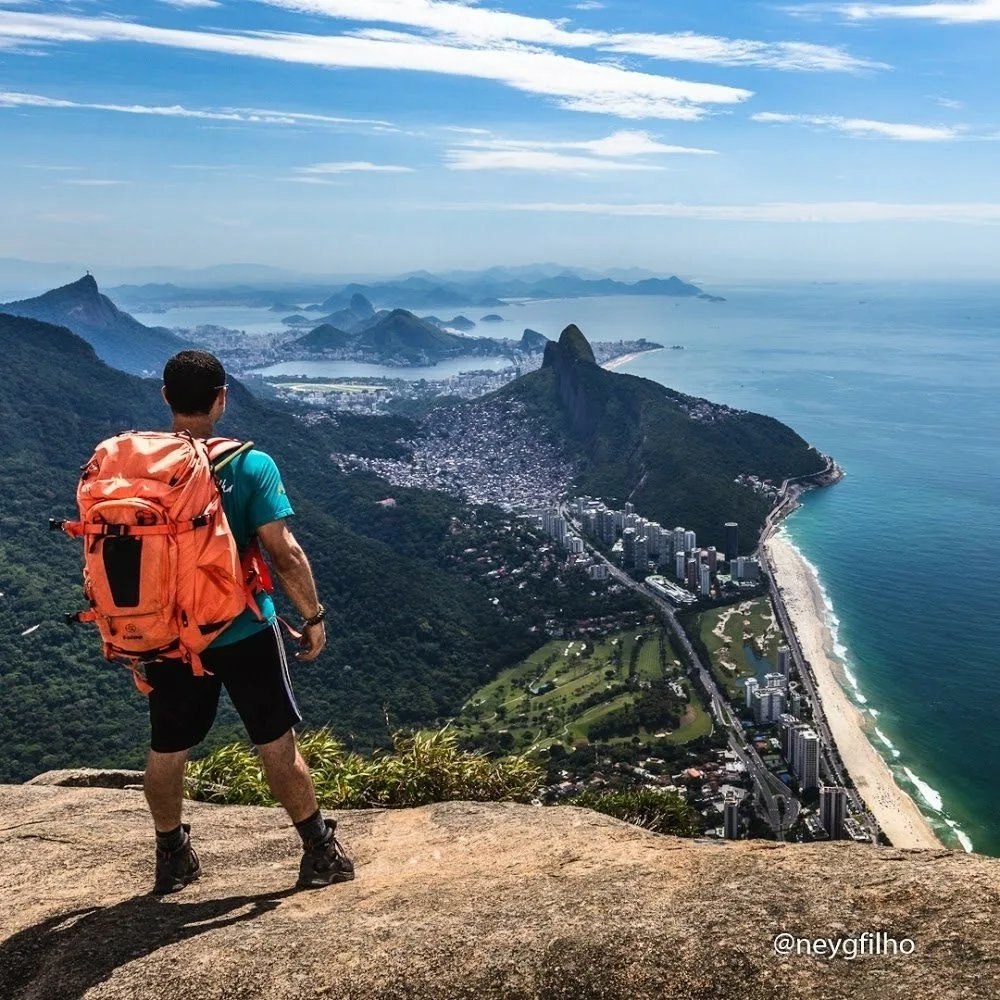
[{"x": 222, "y": 451}]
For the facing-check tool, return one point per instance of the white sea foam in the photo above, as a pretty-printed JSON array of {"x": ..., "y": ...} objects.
[
  {"x": 874, "y": 713},
  {"x": 927, "y": 792},
  {"x": 889, "y": 744},
  {"x": 963, "y": 838}
]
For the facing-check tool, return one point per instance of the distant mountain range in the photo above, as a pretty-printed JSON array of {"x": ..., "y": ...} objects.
[
  {"x": 117, "y": 337},
  {"x": 423, "y": 290}
]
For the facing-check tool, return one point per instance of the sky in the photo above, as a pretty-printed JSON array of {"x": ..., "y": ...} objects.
[{"x": 715, "y": 139}]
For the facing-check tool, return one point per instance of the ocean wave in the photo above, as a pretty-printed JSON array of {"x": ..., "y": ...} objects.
[
  {"x": 874, "y": 713},
  {"x": 963, "y": 838},
  {"x": 893, "y": 749},
  {"x": 927, "y": 792}
]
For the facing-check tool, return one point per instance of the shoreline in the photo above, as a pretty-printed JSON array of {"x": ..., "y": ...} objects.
[
  {"x": 896, "y": 812},
  {"x": 624, "y": 359}
]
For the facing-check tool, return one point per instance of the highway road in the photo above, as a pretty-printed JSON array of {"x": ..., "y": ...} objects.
[{"x": 779, "y": 804}]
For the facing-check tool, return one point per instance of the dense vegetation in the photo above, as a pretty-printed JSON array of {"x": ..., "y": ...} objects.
[
  {"x": 409, "y": 635},
  {"x": 653, "y": 809},
  {"x": 675, "y": 457},
  {"x": 421, "y": 768}
]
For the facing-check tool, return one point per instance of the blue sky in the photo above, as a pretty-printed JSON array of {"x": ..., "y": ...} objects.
[{"x": 711, "y": 138}]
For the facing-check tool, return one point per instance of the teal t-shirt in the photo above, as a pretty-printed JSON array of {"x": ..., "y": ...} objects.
[{"x": 252, "y": 495}]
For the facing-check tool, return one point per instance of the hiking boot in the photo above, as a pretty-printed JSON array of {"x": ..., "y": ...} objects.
[
  {"x": 325, "y": 863},
  {"x": 175, "y": 869}
]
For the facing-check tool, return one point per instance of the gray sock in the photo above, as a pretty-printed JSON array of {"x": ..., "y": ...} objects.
[
  {"x": 170, "y": 841},
  {"x": 313, "y": 830}
]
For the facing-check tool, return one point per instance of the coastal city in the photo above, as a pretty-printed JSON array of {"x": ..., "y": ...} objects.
[{"x": 777, "y": 774}]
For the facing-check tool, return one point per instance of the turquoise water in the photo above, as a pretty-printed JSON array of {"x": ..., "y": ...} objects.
[{"x": 902, "y": 390}]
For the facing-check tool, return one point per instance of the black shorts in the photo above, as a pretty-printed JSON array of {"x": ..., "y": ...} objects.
[{"x": 254, "y": 671}]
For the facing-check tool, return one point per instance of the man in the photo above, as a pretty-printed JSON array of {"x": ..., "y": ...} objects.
[{"x": 248, "y": 658}]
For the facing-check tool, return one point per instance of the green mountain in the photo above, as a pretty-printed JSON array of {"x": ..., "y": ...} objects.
[
  {"x": 410, "y": 632},
  {"x": 403, "y": 335},
  {"x": 674, "y": 456},
  {"x": 397, "y": 338},
  {"x": 116, "y": 336},
  {"x": 324, "y": 338}
]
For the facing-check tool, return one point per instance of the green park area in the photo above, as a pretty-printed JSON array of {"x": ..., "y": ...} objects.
[
  {"x": 574, "y": 691},
  {"x": 727, "y": 632}
]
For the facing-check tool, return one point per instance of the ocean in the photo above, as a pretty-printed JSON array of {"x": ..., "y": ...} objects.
[{"x": 899, "y": 383}]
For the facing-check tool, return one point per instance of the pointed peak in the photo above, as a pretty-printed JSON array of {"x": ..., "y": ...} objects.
[
  {"x": 572, "y": 346},
  {"x": 88, "y": 283}
]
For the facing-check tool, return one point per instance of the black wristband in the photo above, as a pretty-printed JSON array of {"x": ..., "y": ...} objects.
[{"x": 316, "y": 618}]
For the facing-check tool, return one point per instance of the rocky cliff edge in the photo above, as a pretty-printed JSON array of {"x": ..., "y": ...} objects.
[{"x": 464, "y": 901}]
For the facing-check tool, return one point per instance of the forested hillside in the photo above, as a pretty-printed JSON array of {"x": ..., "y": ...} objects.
[{"x": 407, "y": 635}]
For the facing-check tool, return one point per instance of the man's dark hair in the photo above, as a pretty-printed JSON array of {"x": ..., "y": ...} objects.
[{"x": 192, "y": 380}]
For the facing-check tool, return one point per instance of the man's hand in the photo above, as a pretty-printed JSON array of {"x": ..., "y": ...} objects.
[{"x": 312, "y": 642}]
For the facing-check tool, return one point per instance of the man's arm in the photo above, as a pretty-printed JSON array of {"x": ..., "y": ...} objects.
[{"x": 295, "y": 576}]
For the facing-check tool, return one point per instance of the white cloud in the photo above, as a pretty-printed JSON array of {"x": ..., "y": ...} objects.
[
  {"x": 689, "y": 47},
  {"x": 965, "y": 213},
  {"x": 302, "y": 179},
  {"x": 536, "y": 160},
  {"x": 254, "y": 116},
  {"x": 589, "y": 5},
  {"x": 353, "y": 167},
  {"x": 901, "y": 131},
  {"x": 965, "y": 12},
  {"x": 949, "y": 103},
  {"x": 573, "y": 83},
  {"x": 554, "y": 156},
  {"x": 192, "y": 3},
  {"x": 623, "y": 143},
  {"x": 484, "y": 26}
]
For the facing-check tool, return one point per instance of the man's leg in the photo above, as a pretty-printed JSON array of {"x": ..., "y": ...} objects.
[
  {"x": 289, "y": 778},
  {"x": 256, "y": 677},
  {"x": 323, "y": 859},
  {"x": 164, "y": 788},
  {"x": 181, "y": 711}
]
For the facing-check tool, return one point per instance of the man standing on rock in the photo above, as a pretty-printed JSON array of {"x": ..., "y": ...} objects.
[{"x": 248, "y": 658}]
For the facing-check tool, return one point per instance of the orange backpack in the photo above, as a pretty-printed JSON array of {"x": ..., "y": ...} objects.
[{"x": 162, "y": 572}]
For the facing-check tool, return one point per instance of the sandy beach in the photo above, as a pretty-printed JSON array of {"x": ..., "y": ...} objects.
[
  {"x": 625, "y": 359},
  {"x": 897, "y": 814}
]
